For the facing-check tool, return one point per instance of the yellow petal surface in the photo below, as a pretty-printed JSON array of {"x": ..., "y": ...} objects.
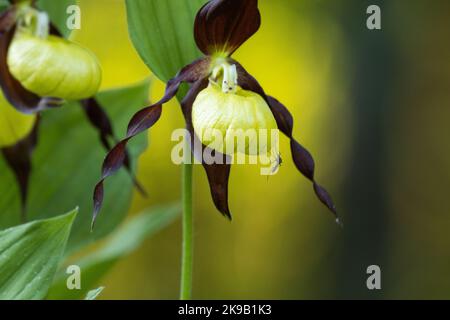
[
  {"x": 54, "y": 67},
  {"x": 14, "y": 125},
  {"x": 236, "y": 117}
]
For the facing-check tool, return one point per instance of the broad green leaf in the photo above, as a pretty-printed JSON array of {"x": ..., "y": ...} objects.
[
  {"x": 30, "y": 255},
  {"x": 162, "y": 32},
  {"x": 122, "y": 242},
  {"x": 57, "y": 10},
  {"x": 93, "y": 294},
  {"x": 67, "y": 165},
  {"x": 3, "y": 5}
]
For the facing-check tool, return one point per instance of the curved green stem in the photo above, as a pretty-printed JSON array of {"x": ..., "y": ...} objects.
[{"x": 187, "y": 247}]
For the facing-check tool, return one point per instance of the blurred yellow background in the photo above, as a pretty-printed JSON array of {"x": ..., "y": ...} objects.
[{"x": 282, "y": 242}]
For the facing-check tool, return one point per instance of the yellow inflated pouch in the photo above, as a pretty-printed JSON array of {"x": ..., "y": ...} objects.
[
  {"x": 14, "y": 126},
  {"x": 237, "y": 119},
  {"x": 53, "y": 66}
]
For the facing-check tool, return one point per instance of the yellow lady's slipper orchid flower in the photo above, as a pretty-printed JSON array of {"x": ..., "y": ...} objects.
[
  {"x": 54, "y": 67},
  {"x": 222, "y": 96},
  {"x": 38, "y": 70}
]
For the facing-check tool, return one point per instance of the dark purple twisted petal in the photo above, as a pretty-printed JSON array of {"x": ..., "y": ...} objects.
[
  {"x": 142, "y": 121},
  {"x": 224, "y": 25},
  {"x": 116, "y": 156},
  {"x": 99, "y": 119},
  {"x": 284, "y": 119},
  {"x": 302, "y": 158},
  {"x": 218, "y": 173},
  {"x": 20, "y": 98},
  {"x": 18, "y": 158}
]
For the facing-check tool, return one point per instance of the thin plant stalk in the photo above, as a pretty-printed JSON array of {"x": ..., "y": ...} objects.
[{"x": 187, "y": 246}]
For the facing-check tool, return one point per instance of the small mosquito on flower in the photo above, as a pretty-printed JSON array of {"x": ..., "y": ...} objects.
[{"x": 276, "y": 164}]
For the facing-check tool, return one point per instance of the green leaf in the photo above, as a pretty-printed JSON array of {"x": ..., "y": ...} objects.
[
  {"x": 162, "y": 32},
  {"x": 3, "y": 5},
  {"x": 57, "y": 10},
  {"x": 67, "y": 165},
  {"x": 93, "y": 294},
  {"x": 29, "y": 256},
  {"x": 122, "y": 242}
]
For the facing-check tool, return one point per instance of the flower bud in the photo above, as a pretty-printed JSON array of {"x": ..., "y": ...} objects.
[
  {"x": 53, "y": 67},
  {"x": 14, "y": 126},
  {"x": 233, "y": 121}
]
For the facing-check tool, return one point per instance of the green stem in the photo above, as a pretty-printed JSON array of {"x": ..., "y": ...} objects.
[{"x": 187, "y": 248}]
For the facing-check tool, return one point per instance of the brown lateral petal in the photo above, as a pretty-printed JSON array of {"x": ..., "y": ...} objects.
[
  {"x": 18, "y": 158},
  {"x": 115, "y": 158},
  {"x": 326, "y": 199},
  {"x": 218, "y": 174},
  {"x": 99, "y": 119},
  {"x": 7, "y": 20},
  {"x": 246, "y": 81},
  {"x": 142, "y": 121},
  {"x": 302, "y": 158},
  {"x": 284, "y": 118},
  {"x": 224, "y": 25},
  {"x": 22, "y": 99},
  {"x": 190, "y": 74}
]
